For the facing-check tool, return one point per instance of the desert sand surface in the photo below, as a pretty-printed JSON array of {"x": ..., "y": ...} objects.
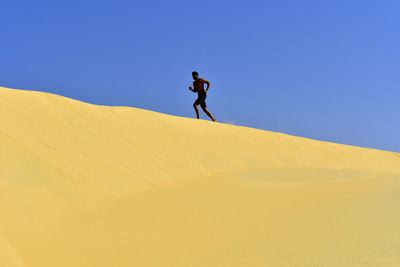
[{"x": 91, "y": 185}]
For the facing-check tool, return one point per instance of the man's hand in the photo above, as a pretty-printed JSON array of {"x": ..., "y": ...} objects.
[{"x": 190, "y": 88}]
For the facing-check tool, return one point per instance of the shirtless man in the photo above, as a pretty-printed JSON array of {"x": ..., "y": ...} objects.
[{"x": 198, "y": 85}]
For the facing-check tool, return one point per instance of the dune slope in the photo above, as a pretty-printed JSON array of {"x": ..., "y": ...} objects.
[{"x": 90, "y": 185}]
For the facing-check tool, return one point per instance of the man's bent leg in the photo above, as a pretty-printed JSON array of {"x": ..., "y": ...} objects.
[
  {"x": 208, "y": 113},
  {"x": 197, "y": 110}
]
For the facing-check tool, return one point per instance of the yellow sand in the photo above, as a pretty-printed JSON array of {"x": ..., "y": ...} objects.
[{"x": 89, "y": 185}]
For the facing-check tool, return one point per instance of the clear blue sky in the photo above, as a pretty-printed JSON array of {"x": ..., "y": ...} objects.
[{"x": 328, "y": 70}]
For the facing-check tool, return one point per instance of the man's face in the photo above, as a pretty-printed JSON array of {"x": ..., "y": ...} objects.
[{"x": 195, "y": 76}]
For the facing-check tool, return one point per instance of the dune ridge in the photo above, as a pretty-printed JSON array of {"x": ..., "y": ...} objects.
[{"x": 92, "y": 184}]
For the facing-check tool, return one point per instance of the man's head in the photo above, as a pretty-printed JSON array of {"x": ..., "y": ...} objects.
[{"x": 195, "y": 75}]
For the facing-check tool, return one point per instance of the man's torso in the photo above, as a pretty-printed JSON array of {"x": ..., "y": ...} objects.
[{"x": 199, "y": 86}]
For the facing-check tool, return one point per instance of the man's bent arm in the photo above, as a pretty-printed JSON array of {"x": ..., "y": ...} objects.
[{"x": 208, "y": 84}]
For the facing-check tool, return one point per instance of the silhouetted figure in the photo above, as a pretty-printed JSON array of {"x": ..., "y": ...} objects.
[{"x": 198, "y": 85}]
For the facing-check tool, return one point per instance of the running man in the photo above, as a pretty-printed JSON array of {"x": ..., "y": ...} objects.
[{"x": 198, "y": 85}]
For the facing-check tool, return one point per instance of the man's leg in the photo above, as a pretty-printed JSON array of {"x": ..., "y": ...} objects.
[
  {"x": 208, "y": 113},
  {"x": 197, "y": 110}
]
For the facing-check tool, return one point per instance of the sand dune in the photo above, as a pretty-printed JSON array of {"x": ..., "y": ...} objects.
[{"x": 90, "y": 185}]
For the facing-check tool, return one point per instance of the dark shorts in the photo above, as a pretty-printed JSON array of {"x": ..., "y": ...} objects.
[{"x": 201, "y": 100}]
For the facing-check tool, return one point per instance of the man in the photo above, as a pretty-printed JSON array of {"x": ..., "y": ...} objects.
[{"x": 198, "y": 85}]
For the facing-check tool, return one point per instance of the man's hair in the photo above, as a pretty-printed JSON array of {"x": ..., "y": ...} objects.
[{"x": 195, "y": 73}]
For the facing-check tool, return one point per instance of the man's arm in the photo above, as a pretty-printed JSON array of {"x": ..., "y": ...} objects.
[
  {"x": 191, "y": 89},
  {"x": 206, "y": 82}
]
